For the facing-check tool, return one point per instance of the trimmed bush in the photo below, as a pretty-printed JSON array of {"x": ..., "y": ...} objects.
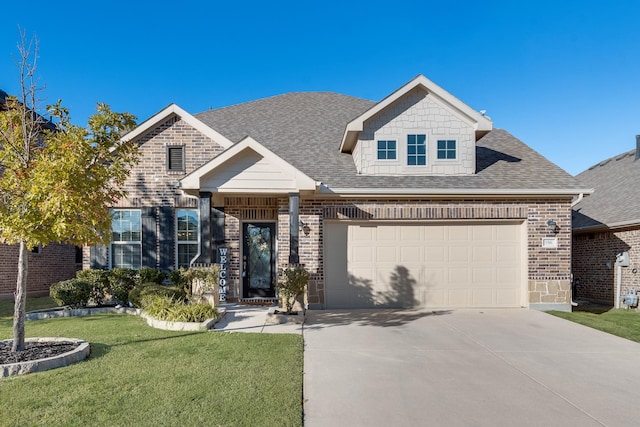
[
  {"x": 150, "y": 275},
  {"x": 166, "y": 308},
  {"x": 139, "y": 292},
  {"x": 98, "y": 281},
  {"x": 73, "y": 292},
  {"x": 121, "y": 281},
  {"x": 291, "y": 285}
]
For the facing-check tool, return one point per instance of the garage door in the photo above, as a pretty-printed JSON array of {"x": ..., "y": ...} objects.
[{"x": 423, "y": 265}]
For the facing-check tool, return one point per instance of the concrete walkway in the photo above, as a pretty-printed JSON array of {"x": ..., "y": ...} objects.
[
  {"x": 246, "y": 318},
  {"x": 466, "y": 368}
]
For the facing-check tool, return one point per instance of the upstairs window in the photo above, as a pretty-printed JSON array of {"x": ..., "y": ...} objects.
[
  {"x": 387, "y": 150},
  {"x": 446, "y": 149},
  {"x": 175, "y": 158},
  {"x": 126, "y": 239},
  {"x": 417, "y": 150}
]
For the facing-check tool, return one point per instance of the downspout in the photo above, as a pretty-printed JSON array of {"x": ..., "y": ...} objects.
[
  {"x": 618, "y": 283},
  {"x": 575, "y": 202}
]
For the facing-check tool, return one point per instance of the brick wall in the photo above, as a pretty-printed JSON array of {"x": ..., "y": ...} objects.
[
  {"x": 54, "y": 263},
  {"x": 150, "y": 184},
  {"x": 548, "y": 270},
  {"x": 593, "y": 263}
]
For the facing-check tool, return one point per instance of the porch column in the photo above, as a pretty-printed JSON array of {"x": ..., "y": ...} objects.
[
  {"x": 205, "y": 228},
  {"x": 294, "y": 221},
  {"x": 217, "y": 230}
]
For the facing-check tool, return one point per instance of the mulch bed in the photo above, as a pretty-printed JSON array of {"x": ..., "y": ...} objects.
[{"x": 33, "y": 351}]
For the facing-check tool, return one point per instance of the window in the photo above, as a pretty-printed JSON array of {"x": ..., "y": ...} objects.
[
  {"x": 386, "y": 150},
  {"x": 175, "y": 158},
  {"x": 126, "y": 240},
  {"x": 416, "y": 150},
  {"x": 186, "y": 236},
  {"x": 446, "y": 149}
]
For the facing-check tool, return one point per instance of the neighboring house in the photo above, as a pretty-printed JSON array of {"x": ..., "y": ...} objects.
[
  {"x": 47, "y": 265},
  {"x": 605, "y": 224},
  {"x": 413, "y": 201}
]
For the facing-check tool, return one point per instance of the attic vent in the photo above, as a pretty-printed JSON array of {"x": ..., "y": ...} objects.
[{"x": 175, "y": 158}]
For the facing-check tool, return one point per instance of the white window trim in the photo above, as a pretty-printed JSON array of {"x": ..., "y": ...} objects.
[
  {"x": 427, "y": 156},
  {"x": 125, "y": 242},
  {"x": 185, "y": 242},
  {"x": 446, "y": 138},
  {"x": 396, "y": 160}
]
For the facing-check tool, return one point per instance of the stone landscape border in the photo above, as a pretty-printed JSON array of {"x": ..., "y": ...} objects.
[{"x": 28, "y": 367}]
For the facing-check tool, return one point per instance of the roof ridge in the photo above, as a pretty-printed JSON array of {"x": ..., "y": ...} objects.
[
  {"x": 617, "y": 157},
  {"x": 309, "y": 92}
]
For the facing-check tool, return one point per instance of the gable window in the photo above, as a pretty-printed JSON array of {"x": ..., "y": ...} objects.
[
  {"x": 387, "y": 150},
  {"x": 446, "y": 149},
  {"x": 416, "y": 150},
  {"x": 126, "y": 239},
  {"x": 175, "y": 158},
  {"x": 186, "y": 236}
]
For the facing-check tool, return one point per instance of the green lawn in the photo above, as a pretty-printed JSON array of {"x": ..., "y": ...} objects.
[
  {"x": 623, "y": 323},
  {"x": 140, "y": 376}
]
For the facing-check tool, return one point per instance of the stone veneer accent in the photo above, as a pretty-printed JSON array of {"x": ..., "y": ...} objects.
[
  {"x": 414, "y": 113},
  {"x": 591, "y": 253}
]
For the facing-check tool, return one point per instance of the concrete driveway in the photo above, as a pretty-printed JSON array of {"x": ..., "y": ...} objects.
[{"x": 465, "y": 368}]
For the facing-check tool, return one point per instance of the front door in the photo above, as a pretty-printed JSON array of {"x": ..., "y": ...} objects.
[{"x": 258, "y": 260}]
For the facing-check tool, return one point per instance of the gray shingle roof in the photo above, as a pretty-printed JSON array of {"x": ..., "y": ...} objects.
[
  {"x": 306, "y": 128},
  {"x": 616, "y": 197}
]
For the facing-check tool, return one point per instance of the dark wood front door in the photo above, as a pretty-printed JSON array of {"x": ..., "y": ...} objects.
[{"x": 258, "y": 260}]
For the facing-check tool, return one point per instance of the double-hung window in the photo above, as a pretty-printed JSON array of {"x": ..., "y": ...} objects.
[
  {"x": 417, "y": 150},
  {"x": 446, "y": 149},
  {"x": 186, "y": 236},
  {"x": 126, "y": 239},
  {"x": 387, "y": 149}
]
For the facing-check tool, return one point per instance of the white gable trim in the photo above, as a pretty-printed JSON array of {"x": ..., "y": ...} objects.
[
  {"x": 480, "y": 123},
  {"x": 191, "y": 183},
  {"x": 164, "y": 114}
]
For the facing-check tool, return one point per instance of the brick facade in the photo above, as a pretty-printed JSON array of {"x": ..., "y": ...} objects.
[
  {"x": 593, "y": 263},
  {"x": 54, "y": 263},
  {"x": 548, "y": 269}
]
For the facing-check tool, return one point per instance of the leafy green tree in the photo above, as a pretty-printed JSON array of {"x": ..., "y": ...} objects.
[{"x": 56, "y": 182}]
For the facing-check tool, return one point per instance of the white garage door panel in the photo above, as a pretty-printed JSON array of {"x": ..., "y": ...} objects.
[{"x": 434, "y": 265}]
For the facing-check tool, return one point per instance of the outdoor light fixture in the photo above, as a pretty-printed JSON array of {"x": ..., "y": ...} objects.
[
  {"x": 305, "y": 228},
  {"x": 553, "y": 227}
]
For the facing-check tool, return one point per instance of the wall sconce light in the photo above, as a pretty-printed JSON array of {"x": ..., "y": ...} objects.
[
  {"x": 305, "y": 228},
  {"x": 553, "y": 227}
]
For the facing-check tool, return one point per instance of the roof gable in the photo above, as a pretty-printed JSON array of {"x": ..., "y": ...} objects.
[
  {"x": 481, "y": 124},
  {"x": 169, "y": 111},
  {"x": 247, "y": 166}
]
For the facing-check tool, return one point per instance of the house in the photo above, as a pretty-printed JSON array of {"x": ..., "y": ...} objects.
[
  {"x": 412, "y": 201},
  {"x": 606, "y": 224},
  {"x": 47, "y": 265}
]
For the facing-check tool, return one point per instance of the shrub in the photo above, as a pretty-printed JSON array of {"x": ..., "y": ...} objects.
[
  {"x": 200, "y": 280},
  {"x": 150, "y": 275},
  {"x": 73, "y": 292},
  {"x": 98, "y": 281},
  {"x": 291, "y": 285},
  {"x": 139, "y": 292},
  {"x": 178, "y": 278},
  {"x": 121, "y": 281},
  {"x": 166, "y": 308}
]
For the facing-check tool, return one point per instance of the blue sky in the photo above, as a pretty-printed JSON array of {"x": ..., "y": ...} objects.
[{"x": 563, "y": 76}]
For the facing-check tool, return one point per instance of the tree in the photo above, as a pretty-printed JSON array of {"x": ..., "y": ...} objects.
[{"x": 56, "y": 181}]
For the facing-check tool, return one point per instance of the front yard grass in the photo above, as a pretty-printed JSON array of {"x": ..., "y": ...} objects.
[
  {"x": 623, "y": 323},
  {"x": 140, "y": 376}
]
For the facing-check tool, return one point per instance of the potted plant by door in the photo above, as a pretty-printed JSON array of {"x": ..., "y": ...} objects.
[{"x": 291, "y": 285}]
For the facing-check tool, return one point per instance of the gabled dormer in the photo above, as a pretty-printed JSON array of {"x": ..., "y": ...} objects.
[{"x": 420, "y": 129}]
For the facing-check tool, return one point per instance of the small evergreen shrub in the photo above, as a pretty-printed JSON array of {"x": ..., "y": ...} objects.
[
  {"x": 166, "y": 308},
  {"x": 139, "y": 292},
  {"x": 121, "y": 281},
  {"x": 291, "y": 285},
  {"x": 98, "y": 281},
  {"x": 73, "y": 292},
  {"x": 178, "y": 278},
  {"x": 150, "y": 275}
]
